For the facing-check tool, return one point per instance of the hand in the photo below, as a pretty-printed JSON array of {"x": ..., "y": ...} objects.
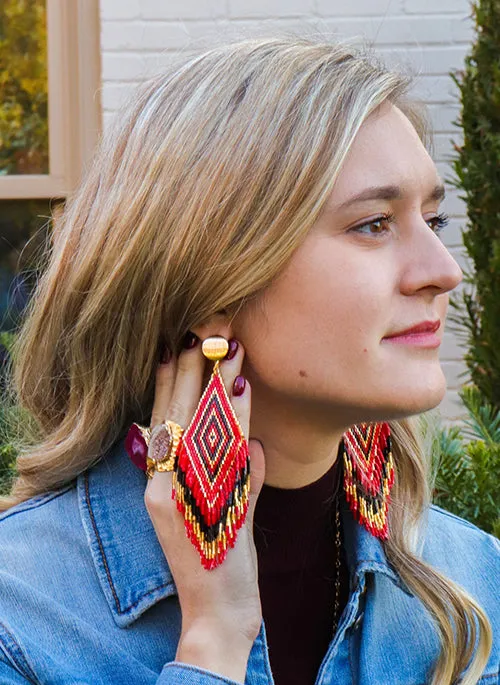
[{"x": 221, "y": 610}]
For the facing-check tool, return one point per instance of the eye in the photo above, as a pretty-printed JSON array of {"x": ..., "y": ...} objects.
[
  {"x": 377, "y": 223},
  {"x": 437, "y": 223}
]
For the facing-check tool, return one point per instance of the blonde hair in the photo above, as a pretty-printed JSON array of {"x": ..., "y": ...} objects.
[{"x": 200, "y": 193}]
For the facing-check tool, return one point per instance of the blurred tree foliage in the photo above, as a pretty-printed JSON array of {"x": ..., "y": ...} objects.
[
  {"x": 7, "y": 449},
  {"x": 477, "y": 170},
  {"x": 24, "y": 87},
  {"x": 467, "y": 457}
]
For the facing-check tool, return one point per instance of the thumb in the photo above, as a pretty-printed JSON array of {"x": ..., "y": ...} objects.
[{"x": 257, "y": 472}]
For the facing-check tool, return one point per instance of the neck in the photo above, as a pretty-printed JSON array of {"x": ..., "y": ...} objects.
[{"x": 300, "y": 442}]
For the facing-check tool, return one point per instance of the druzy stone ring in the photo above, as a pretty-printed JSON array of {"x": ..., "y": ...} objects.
[
  {"x": 154, "y": 449},
  {"x": 163, "y": 445}
]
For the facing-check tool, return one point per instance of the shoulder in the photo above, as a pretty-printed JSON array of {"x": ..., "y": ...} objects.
[
  {"x": 45, "y": 512},
  {"x": 447, "y": 529},
  {"x": 39, "y": 533},
  {"x": 48, "y": 568},
  {"x": 467, "y": 555},
  {"x": 34, "y": 503},
  {"x": 450, "y": 538}
]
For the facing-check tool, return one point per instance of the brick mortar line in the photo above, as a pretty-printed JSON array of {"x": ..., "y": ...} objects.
[{"x": 311, "y": 15}]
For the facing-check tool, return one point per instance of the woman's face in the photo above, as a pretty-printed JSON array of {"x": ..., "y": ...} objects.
[{"x": 316, "y": 336}]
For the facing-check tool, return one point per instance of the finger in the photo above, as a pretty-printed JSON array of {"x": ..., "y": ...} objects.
[
  {"x": 179, "y": 406},
  {"x": 159, "y": 495},
  {"x": 188, "y": 385},
  {"x": 239, "y": 393},
  {"x": 257, "y": 474},
  {"x": 230, "y": 366},
  {"x": 161, "y": 482},
  {"x": 240, "y": 396},
  {"x": 164, "y": 387}
]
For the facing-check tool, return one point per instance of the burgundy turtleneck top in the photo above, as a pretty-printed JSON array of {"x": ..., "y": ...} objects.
[{"x": 294, "y": 532}]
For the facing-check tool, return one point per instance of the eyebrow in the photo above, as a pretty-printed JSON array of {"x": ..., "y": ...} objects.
[{"x": 391, "y": 192}]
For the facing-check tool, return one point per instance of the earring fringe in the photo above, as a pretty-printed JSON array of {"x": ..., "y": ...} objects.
[{"x": 369, "y": 475}]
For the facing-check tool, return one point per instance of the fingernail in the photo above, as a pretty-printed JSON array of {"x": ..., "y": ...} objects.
[
  {"x": 166, "y": 355},
  {"x": 239, "y": 386},
  {"x": 190, "y": 341},
  {"x": 233, "y": 348}
]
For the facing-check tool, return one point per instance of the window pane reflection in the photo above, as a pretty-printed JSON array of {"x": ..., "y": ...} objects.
[
  {"x": 24, "y": 136},
  {"x": 24, "y": 226}
]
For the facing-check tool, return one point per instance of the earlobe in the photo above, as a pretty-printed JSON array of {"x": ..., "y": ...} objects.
[{"x": 218, "y": 324}]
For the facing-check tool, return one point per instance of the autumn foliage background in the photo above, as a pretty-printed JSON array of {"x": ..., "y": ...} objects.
[{"x": 23, "y": 84}]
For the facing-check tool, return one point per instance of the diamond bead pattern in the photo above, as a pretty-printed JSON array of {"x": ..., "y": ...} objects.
[
  {"x": 369, "y": 474},
  {"x": 212, "y": 480}
]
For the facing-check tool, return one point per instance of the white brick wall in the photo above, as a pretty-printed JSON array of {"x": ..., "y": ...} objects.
[{"x": 431, "y": 37}]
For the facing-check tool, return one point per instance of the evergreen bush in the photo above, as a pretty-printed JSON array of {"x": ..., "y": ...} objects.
[
  {"x": 477, "y": 173},
  {"x": 466, "y": 463},
  {"x": 467, "y": 458}
]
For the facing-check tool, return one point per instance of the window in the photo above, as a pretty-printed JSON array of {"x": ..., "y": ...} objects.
[
  {"x": 50, "y": 120},
  {"x": 50, "y": 111}
]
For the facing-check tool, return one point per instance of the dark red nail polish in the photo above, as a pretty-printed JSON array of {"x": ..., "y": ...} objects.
[
  {"x": 166, "y": 355},
  {"x": 239, "y": 386},
  {"x": 190, "y": 341},
  {"x": 233, "y": 348}
]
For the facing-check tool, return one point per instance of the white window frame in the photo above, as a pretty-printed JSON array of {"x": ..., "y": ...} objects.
[{"x": 74, "y": 111}]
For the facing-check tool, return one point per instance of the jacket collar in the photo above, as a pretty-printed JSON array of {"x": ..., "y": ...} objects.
[{"x": 132, "y": 569}]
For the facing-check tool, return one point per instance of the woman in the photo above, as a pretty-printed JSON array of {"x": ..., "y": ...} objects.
[{"x": 276, "y": 194}]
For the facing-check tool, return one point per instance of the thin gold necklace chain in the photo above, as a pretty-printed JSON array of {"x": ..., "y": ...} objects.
[{"x": 338, "y": 545}]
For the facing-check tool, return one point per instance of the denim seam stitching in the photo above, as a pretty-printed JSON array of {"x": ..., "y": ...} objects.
[
  {"x": 105, "y": 561},
  {"x": 99, "y": 542},
  {"x": 23, "y": 668},
  {"x": 149, "y": 592}
]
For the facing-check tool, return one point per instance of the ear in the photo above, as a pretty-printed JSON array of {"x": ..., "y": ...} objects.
[{"x": 217, "y": 325}]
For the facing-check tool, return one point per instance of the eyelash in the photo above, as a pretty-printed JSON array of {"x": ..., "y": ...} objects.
[{"x": 441, "y": 219}]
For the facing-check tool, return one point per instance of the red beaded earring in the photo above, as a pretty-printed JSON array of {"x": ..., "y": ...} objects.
[
  {"x": 369, "y": 474},
  {"x": 211, "y": 481}
]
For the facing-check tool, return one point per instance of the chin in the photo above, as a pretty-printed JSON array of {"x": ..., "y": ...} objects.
[
  {"x": 407, "y": 401},
  {"x": 419, "y": 403}
]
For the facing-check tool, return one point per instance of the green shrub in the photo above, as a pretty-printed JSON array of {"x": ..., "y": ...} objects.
[
  {"x": 7, "y": 420},
  {"x": 467, "y": 464},
  {"x": 477, "y": 171}
]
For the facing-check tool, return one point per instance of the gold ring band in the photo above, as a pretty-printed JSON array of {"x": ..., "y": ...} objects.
[{"x": 163, "y": 444}]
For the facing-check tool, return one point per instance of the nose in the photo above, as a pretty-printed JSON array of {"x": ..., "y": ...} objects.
[{"x": 428, "y": 264}]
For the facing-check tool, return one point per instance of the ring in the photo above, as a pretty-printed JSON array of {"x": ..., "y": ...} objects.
[{"x": 163, "y": 444}]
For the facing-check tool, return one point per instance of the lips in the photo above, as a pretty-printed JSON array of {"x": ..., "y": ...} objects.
[{"x": 422, "y": 327}]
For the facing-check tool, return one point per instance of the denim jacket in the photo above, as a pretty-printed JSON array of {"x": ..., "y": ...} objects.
[{"x": 86, "y": 595}]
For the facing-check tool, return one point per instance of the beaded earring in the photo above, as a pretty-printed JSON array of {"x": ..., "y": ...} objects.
[
  {"x": 211, "y": 481},
  {"x": 369, "y": 474}
]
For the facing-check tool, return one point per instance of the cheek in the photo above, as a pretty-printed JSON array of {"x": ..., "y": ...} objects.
[
  {"x": 334, "y": 296},
  {"x": 322, "y": 316}
]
